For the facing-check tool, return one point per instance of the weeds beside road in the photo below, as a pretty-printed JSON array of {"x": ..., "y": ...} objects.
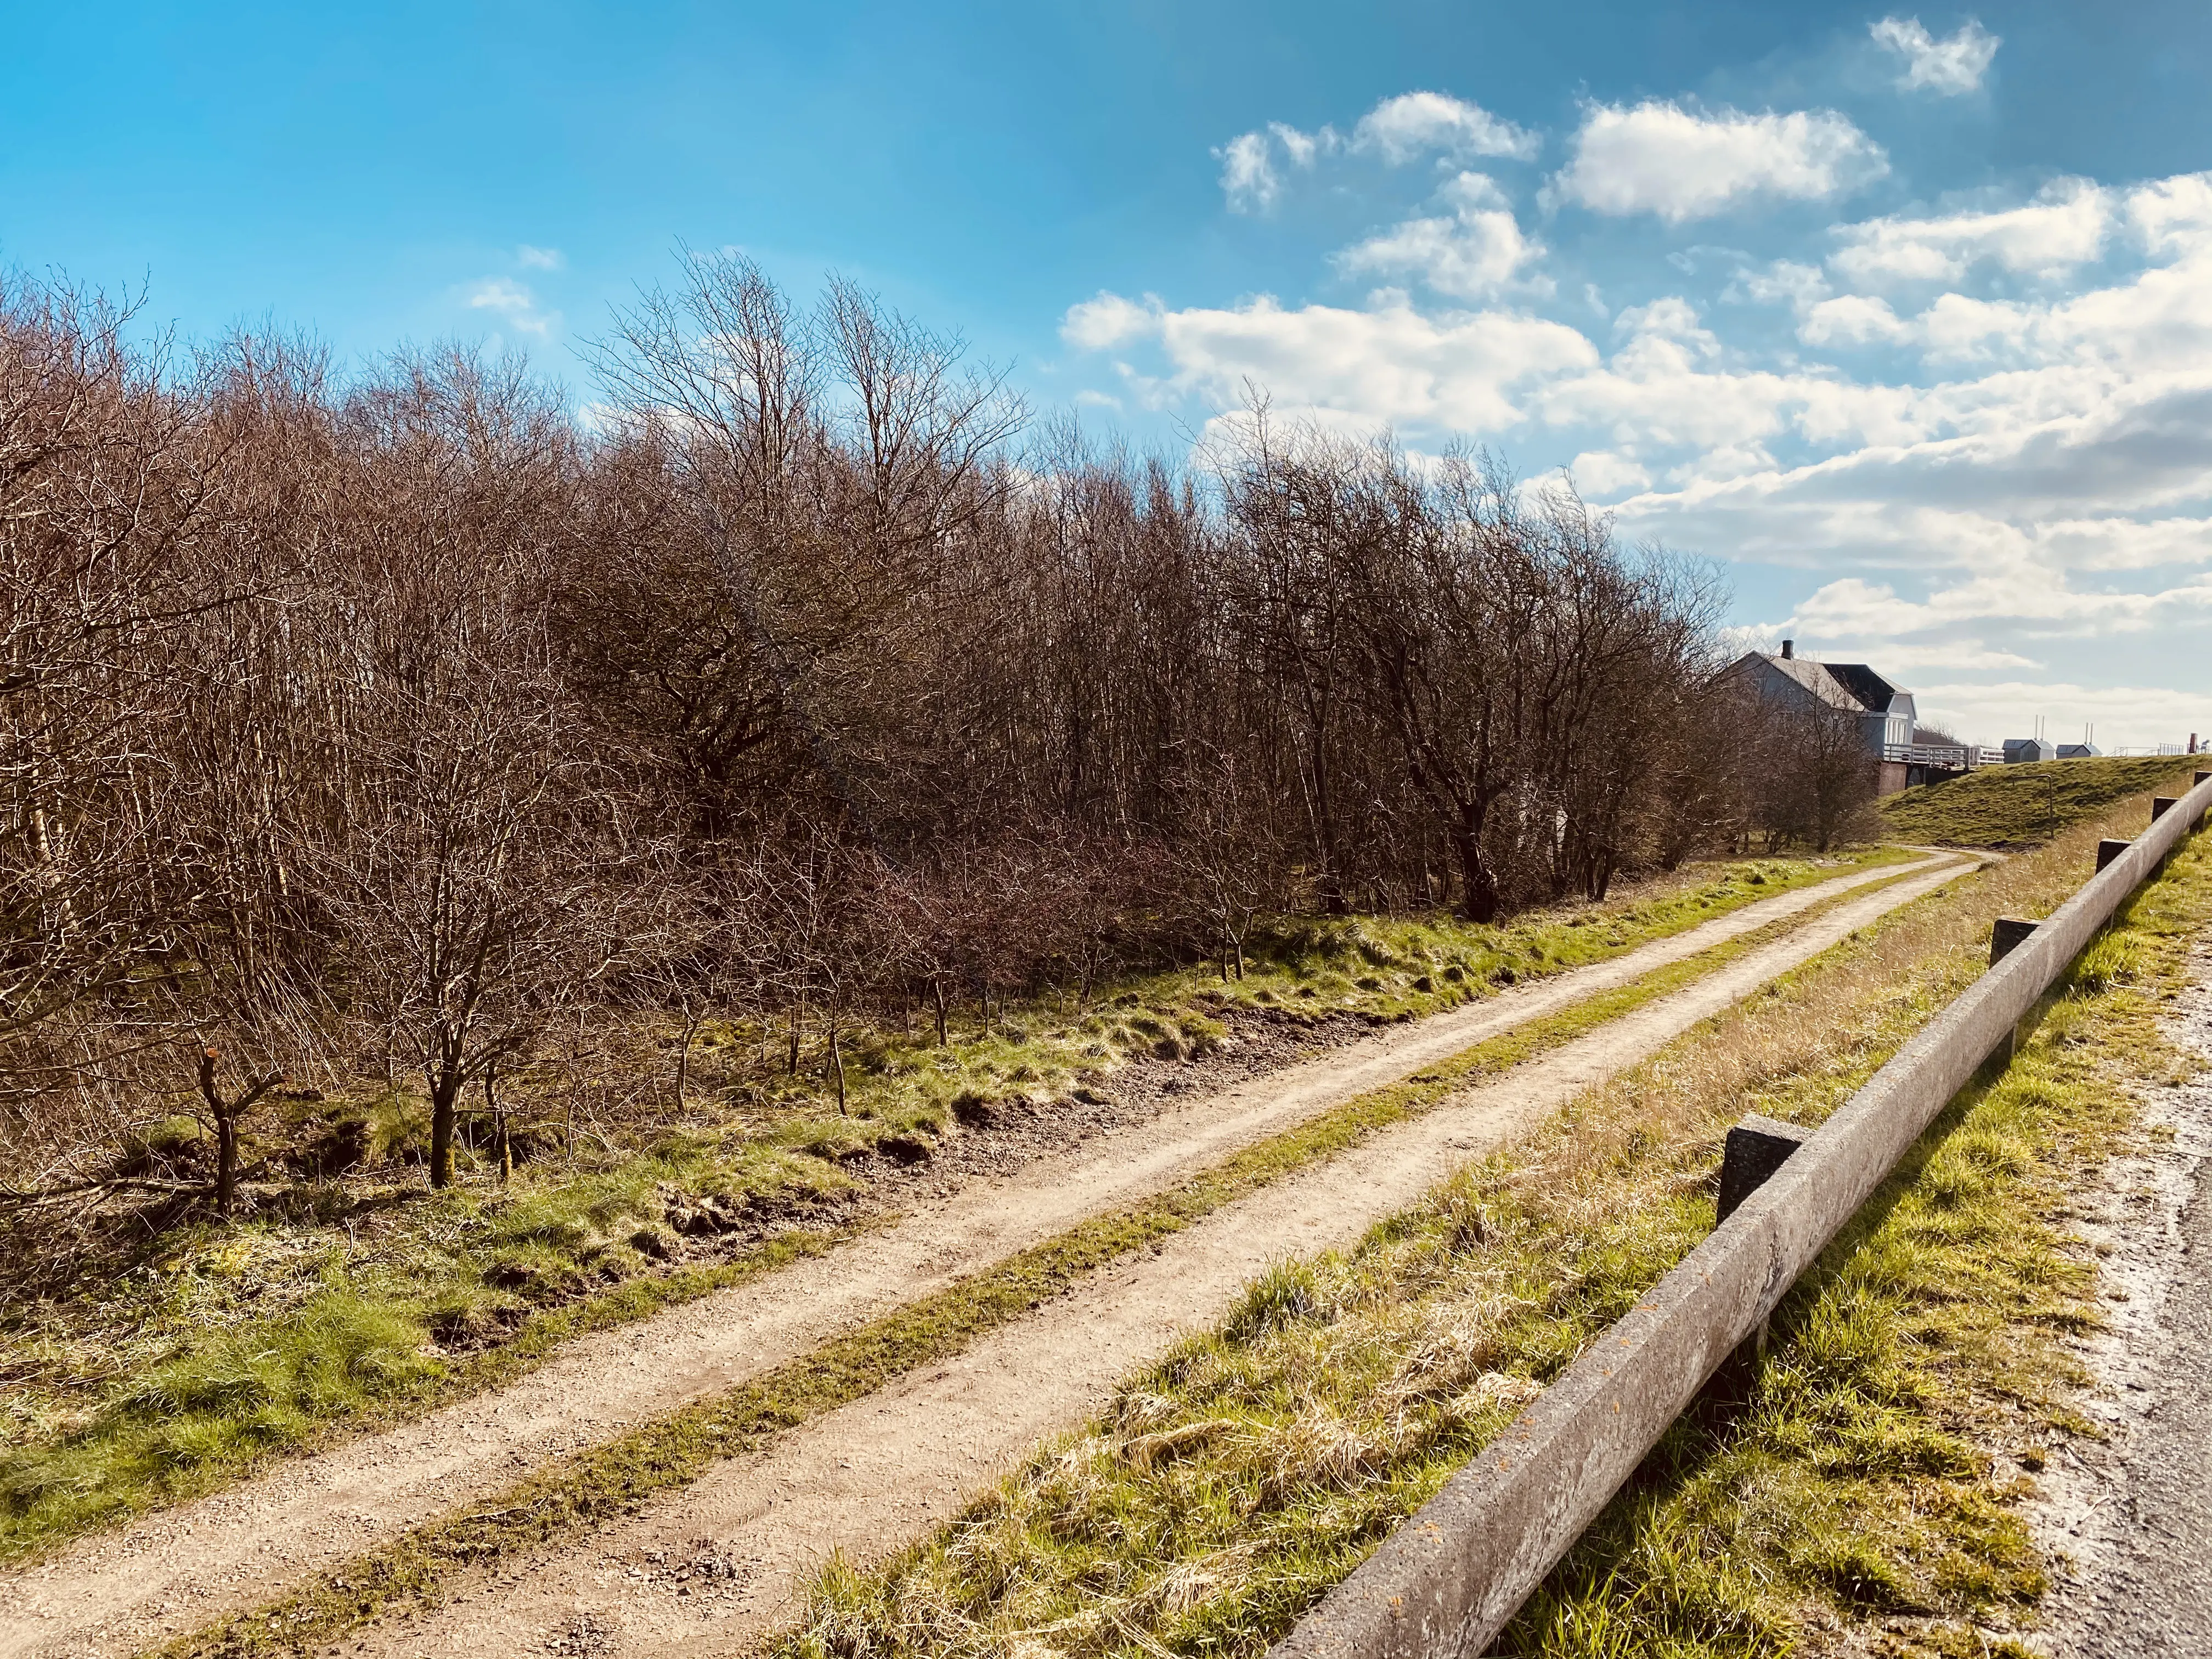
[
  {"x": 174, "y": 1371},
  {"x": 1237, "y": 1480}
]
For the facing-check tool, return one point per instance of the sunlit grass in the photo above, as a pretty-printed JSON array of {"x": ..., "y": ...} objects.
[
  {"x": 369, "y": 1305},
  {"x": 1229, "y": 1486},
  {"x": 2026, "y": 806}
]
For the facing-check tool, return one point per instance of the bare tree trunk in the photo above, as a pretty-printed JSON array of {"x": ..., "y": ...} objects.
[
  {"x": 691, "y": 1023},
  {"x": 501, "y": 1144},
  {"x": 937, "y": 993},
  {"x": 444, "y": 1092},
  {"x": 226, "y": 1163},
  {"x": 837, "y": 1065}
]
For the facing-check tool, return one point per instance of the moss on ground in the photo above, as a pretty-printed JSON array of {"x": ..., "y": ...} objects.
[
  {"x": 361, "y": 1305},
  {"x": 1232, "y": 1484},
  {"x": 2017, "y": 807}
]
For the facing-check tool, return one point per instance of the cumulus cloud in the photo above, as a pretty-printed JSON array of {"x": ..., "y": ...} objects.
[
  {"x": 1851, "y": 319},
  {"x": 1950, "y": 66},
  {"x": 1387, "y": 363},
  {"x": 514, "y": 304},
  {"x": 1248, "y": 177},
  {"x": 1662, "y": 159},
  {"x": 1397, "y": 130},
  {"x": 2064, "y": 226},
  {"x": 1470, "y": 254},
  {"x": 1108, "y": 320},
  {"x": 1416, "y": 123},
  {"x": 2027, "y": 479},
  {"x": 539, "y": 258}
]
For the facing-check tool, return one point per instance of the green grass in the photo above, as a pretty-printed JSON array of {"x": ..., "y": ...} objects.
[
  {"x": 362, "y": 1305},
  {"x": 1228, "y": 1488},
  {"x": 616, "y": 1478},
  {"x": 2015, "y": 806}
]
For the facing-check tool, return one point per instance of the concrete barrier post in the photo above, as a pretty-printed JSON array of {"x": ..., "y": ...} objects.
[
  {"x": 2160, "y": 805},
  {"x": 1446, "y": 1581},
  {"x": 1754, "y": 1150},
  {"x": 2010, "y": 934}
]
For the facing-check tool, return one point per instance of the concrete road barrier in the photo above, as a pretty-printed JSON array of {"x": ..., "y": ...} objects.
[{"x": 1448, "y": 1579}]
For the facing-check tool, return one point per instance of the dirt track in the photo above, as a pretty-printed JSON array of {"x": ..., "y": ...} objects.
[
  {"x": 175, "y": 1571},
  {"x": 713, "y": 1566}
]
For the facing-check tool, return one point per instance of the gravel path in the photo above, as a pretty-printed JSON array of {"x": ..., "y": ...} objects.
[
  {"x": 2130, "y": 1518},
  {"x": 711, "y": 1567},
  {"x": 176, "y": 1570}
]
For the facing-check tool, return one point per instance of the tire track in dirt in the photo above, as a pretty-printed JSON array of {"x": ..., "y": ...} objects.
[
  {"x": 714, "y": 1566},
  {"x": 176, "y": 1570}
]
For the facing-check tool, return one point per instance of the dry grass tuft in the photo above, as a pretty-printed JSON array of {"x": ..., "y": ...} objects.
[{"x": 1347, "y": 1389}]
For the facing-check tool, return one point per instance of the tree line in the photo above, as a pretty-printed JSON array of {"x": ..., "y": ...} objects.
[{"x": 377, "y": 724}]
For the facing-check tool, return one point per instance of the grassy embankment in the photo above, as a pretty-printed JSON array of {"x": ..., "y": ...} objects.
[
  {"x": 2013, "y": 806},
  {"x": 1872, "y": 1475},
  {"x": 468, "y": 1549},
  {"x": 372, "y": 1301}
]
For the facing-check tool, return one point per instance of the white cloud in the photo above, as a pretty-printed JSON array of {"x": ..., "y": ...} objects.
[
  {"x": 1602, "y": 474},
  {"x": 2025, "y": 492},
  {"x": 1851, "y": 319},
  {"x": 1108, "y": 320},
  {"x": 513, "y": 303},
  {"x": 2065, "y": 226},
  {"x": 1397, "y": 130},
  {"x": 1405, "y": 128},
  {"x": 1248, "y": 177},
  {"x": 539, "y": 258},
  {"x": 2173, "y": 216},
  {"x": 1660, "y": 158},
  {"x": 2124, "y": 715},
  {"x": 1472, "y": 253},
  {"x": 1950, "y": 66},
  {"x": 1389, "y": 363}
]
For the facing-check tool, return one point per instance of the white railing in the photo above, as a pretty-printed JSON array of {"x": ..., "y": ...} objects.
[{"x": 1952, "y": 757}]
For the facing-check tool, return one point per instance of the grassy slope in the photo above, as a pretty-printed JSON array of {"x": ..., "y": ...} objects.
[
  {"x": 234, "y": 1344},
  {"x": 1227, "y": 1488},
  {"x": 449, "y": 1552},
  {"x": 2013, "y": 806}
]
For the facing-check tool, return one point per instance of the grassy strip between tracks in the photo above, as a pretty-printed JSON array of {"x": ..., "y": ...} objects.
[
  {"x": 1229, "y": 1486},
  {"x": 593, "y": 1487},
  {"x": 148, "y": 1364}
]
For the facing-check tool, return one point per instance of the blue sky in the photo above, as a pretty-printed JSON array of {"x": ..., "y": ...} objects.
[{"x": 1905, "y": 314}]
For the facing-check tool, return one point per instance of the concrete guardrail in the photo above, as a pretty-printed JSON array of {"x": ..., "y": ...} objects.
[{"x": 1446, "y": 1581}]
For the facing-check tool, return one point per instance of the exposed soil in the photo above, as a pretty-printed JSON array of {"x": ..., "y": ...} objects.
[
  {"x": 2128, "y": 1518},
  {"x": 873, "y": 1475},
  {"x": 1026, "y": 1182}
]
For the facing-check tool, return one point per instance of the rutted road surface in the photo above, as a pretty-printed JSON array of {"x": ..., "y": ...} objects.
[
  {"x": 873, "y": 1475},
  {"x": 176, "y": 1570}
]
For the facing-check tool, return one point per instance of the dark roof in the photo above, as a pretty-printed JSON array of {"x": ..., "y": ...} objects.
[
  {"x": 1872, "y": 692},
  {"x": 1847, "y": 685}
]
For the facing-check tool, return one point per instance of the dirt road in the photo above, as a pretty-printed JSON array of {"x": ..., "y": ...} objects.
[
  {"x": 711, "y": 1567},
  {"x": 2130, "y": 1518},
  {"x": 176, "y": 1570}
]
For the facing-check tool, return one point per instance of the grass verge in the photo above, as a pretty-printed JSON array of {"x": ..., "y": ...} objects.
[
  {"x": 2013, "y": 806},
  {"x": 615, "y": 1479},
  {"x": 1232, "y": 1484},
  {"x": 226, "y": 1346}
]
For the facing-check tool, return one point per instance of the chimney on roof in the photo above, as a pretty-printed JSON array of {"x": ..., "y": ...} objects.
[{"x": 1788, "y": 649}]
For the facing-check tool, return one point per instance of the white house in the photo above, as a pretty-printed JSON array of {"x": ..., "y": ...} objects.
[{"x": 1884, "y": 710}]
